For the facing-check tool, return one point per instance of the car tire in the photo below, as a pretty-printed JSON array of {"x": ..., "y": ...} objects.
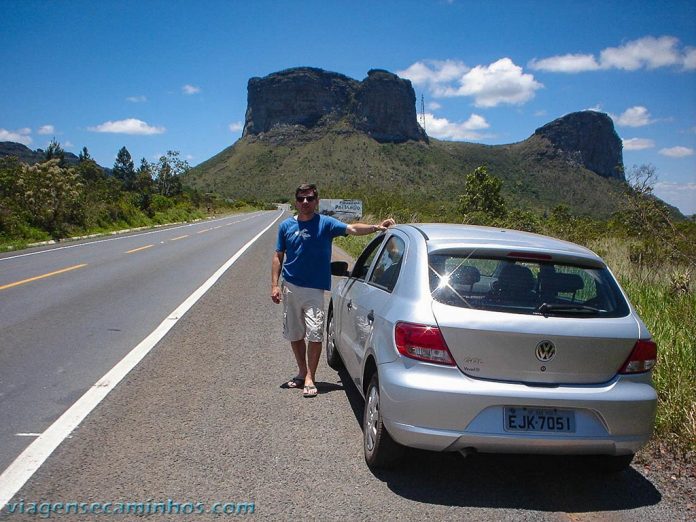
[
  {"x": 607, "y": 464},
  {"x": 333, "y": 359},
  {"x": 381, "y": 451}
]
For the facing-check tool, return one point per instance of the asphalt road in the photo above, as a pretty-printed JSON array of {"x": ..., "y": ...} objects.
[
  {"x": 204, "y": 419},
  {"x": 69, "y": 312}
]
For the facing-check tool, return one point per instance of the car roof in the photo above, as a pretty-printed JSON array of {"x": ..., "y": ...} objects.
[{"x": 441, "y": 236}]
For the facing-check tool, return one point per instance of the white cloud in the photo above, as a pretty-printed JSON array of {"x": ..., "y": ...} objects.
[
  {"x": 500, "y": 82},
  {"x": 18, "y": 136},
  {"x": 190, "y": 89},
  {"x": 46, "y": 129},
  {"x": 648, "y": 52},
  {"x": 677, "y": 152},
  {"x": 567, "y": 63},
  {"x": 433, "y": 106},
  {"x": 637, "y": 116},
  {"x": 681, "y": 195},
  {"x": 68, "y": 145},
  {"x": 638, "y": 144},
  {"x": 434, "y": 72},
  {"x": 445, "y": 129},
  {"x": 127, "y": 126},
  {"x": 236, "y": 126},
  {"x": 690, "y": 58},
  {"x": 489, "y": 85},
  {"x": 136, "y": 99}
]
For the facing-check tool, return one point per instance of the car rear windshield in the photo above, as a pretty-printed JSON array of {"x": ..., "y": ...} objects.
[{"x": 525, "y": 287}]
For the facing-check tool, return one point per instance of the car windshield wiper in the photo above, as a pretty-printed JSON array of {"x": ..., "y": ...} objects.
[{"x": 550, "y": 308}]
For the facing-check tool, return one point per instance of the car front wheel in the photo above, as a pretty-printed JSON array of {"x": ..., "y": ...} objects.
[{"x": 381, "y": 451}]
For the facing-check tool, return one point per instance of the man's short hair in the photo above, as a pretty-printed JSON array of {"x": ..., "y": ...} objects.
[{"x": 305, "y": 187}]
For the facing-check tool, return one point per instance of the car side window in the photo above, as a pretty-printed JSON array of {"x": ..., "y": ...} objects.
[
  {"x": 362, "y": 265},
  {"x": 388, "y": 265}
]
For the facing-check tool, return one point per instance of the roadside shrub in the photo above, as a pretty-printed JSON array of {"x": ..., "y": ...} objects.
[{"x": 159, "y": 203}]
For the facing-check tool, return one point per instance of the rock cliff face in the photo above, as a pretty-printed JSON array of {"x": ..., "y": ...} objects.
[
  {"x": 587, "y": 138},
  {"x": 382, "y": 105}
]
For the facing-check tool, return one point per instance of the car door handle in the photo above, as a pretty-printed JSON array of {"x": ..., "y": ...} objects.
[
  {"x": 349, "y": 305},
  {"x": 371, "y": 316}
]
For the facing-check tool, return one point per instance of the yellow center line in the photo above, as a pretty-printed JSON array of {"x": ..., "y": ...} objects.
[
  {"x": 180, "y": 237},
  {"x": 139, "y": 249},
  {"x": 17, "y": 283}
]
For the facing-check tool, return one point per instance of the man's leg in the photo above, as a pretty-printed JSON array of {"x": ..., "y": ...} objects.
[
  {"x": 299, "y": 349},
  {"x": 313, "y": 361}
]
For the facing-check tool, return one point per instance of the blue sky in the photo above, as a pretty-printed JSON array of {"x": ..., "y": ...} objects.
[{"x": 172, "y": 75}]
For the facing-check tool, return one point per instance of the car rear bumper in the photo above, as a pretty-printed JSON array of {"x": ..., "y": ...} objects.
[{"x": 441, "y": 409}]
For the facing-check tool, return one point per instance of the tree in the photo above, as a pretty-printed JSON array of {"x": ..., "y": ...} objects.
[
  {"x": 124, "y": 169},
  {"x": 90, "y": 171},
  {"x": 144, "y": 184},
  {"x": 482, "y": 194},
  {"x": 55, "y": 151},
  {"x": 52, "y": 196},
  {"x": 647, "y": 217},
  {"x": 84, "y": 155},
  {"x": 167, "y": 173}
]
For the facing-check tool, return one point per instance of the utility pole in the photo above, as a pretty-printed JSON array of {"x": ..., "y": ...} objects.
[{"x": 423, "y": 112}]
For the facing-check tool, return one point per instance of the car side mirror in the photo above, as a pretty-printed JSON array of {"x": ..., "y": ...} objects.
[{"x": 339, "y": 268}]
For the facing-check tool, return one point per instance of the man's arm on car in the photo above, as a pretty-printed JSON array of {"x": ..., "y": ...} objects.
[{"x": 362, "y": 229}]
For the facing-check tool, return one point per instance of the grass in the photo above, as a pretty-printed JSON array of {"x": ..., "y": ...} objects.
[{"x": 670, "y": 316}]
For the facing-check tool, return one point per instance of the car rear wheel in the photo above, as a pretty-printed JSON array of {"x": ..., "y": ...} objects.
[
  {"x": 381, "y": 451},
  {"x": 333, "y": 359},
  {"x": 607, "y": 464}
]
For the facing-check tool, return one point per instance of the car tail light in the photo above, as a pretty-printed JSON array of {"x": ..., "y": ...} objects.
[
  {"x": 422, "y": 342},
  {"x": 642, "y": 358}
]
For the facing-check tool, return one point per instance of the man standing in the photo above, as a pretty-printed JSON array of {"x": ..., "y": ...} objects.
[{"x": 303, "y": 252}]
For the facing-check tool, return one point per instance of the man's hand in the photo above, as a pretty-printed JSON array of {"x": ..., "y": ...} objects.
[
  {"x": 389, "y": 222},
  {"x": 275, "y": 294}
]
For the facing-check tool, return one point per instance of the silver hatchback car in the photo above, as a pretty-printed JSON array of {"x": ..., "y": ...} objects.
[{"x": 476, "y": 339}]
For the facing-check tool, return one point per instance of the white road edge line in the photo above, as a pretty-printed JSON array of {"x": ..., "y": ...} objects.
[{"x": 31, "y": 459}]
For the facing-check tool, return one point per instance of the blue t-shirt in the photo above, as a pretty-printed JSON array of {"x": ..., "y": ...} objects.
[{"x": 307, "y": 247}]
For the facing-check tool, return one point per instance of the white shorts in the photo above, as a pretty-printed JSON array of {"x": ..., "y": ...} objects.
[{"x": 303, "y": 313}]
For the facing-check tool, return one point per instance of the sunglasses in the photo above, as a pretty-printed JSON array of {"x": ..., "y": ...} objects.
[{"x": 309, "y": 199}]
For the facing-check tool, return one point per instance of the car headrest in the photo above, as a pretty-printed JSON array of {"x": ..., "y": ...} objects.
[
  {"x": 516, "y": 278},
  {"x": 560, "y": 282},
  {"x": 466, "y": 275}
]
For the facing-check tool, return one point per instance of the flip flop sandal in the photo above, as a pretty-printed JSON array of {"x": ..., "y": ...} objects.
[
  {"x": 310, "y": 391},
  {"x": 295, "y": 382}
]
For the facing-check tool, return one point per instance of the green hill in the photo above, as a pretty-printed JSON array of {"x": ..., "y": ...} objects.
[{"x": 345, "y": 163}]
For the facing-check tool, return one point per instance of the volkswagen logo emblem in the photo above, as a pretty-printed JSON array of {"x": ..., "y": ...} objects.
[{"x": 545, "y": 351}]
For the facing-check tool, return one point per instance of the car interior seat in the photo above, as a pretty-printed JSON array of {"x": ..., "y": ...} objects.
[{"x": 515, "y": 285}]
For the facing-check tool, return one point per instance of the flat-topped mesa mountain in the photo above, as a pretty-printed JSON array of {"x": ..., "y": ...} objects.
[
  {"x": 289, "y": 103},
  {"x": 361, "y": 139}
]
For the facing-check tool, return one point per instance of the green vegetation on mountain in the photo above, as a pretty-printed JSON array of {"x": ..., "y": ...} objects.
[{"x": 348, "y": 164}]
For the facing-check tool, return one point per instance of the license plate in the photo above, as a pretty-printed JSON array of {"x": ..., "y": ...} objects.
[{"x": 539, "y": 420}]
